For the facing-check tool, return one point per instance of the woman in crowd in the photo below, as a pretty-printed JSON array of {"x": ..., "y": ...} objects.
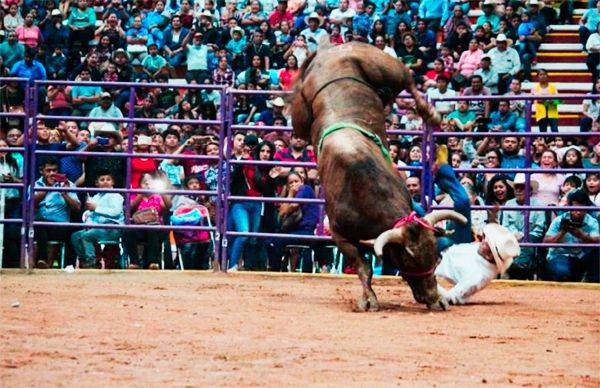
[
  {"x": 151, "y": 239},
  {"x": 288, "y": 74},
  {"x": 306, "y": 215},
  {"x": 550, "y": 179},
  {"x": 493, "y": 159},
  {"x": 142, "y": 166},
  {"x": 572, "y": 159},
  {"x": 592, "y": 187},
  {"x": 81, "y": 22},
  {"x": 467, "y": 64},
  {"x": 28, "y": 33},
  {"x": 499, "y": 191}
]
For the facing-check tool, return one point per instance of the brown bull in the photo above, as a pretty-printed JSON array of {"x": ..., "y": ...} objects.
[{"x": 338, "y": 104}]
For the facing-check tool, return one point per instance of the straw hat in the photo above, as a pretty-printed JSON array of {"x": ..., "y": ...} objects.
[
  {"x": 105, "y": 130},
  {"x": 237, "y": 29},
  {"x": 502, "y": 38},
  {"x": 314, "y": 15},
  {"x": 503, "y": 244},
  {"x": 520, "y": 180}
]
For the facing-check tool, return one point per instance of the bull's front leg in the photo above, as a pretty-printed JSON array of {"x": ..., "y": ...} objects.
[{"x": 368, "y": 300}]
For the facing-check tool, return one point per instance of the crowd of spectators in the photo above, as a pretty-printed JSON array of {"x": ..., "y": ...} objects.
[{"x": 260, "y": 45}]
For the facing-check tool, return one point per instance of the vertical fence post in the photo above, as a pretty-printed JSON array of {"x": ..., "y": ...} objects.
[
  {"x": 428, "y": 141},
  {"x": 26, "y": 191},
  {"x": 130, "y": 115},
  {"x": 33, "y": 106},
  {"x": 220, "y": 205},
  {"x": 526, "y": 214},
  {"x": 227, "y": 185}
]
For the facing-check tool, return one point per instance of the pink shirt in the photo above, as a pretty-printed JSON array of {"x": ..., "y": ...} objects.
[
  {"x": 549, "y": 188},
  {"x": 148, "y": 202},
  {"x": 29, "y": 36},
  {"x": 469, "y": 61}
]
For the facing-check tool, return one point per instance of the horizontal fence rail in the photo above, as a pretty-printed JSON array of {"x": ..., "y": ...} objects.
[{"x": 225, "y": 163}]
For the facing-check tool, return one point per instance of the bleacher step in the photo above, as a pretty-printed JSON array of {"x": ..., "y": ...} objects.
[
  {"x": 561, "y": 57},
  {"x": 560, "y": 66},
  {"x": 561, "y": 47},
  {"x": 561, "y": 37},
  {"x": 563, "y": 87},
  {"x": 563, "y": 28}
]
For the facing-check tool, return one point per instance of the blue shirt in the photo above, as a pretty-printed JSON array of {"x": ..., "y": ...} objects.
[
  {"x": 590, "y": 227},
  {"x": 53, "y": 207},
  {"x": 507, "y": 120},
  {"x": 512, "y": 162},
  {"x": 310, "y": 211},
  {"x": 35, "y": 72}
]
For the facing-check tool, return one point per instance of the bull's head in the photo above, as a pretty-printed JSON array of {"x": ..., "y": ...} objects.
[{"x": 413, "y": 249}]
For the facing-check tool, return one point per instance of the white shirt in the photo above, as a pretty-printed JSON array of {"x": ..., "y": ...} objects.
[
  {"x": 506, "y": 61},
  {"x": 443, "y": 106},
  {"x": 470, "y": 272}
]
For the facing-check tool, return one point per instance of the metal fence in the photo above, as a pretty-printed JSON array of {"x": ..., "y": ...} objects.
[{"x": 227, "y": 127}]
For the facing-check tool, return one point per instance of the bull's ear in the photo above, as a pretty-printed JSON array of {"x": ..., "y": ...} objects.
[{"x": 369, "y": 243}]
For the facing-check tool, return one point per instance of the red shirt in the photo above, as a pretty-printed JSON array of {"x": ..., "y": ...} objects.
[
  {"x": 139, "y": 167},
  {"x": 277, "y": 17}
]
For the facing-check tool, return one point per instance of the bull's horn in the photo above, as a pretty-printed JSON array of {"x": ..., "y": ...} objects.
[
  {"x": 393, "y": 235},
  {"x": 439, "y": 215}
]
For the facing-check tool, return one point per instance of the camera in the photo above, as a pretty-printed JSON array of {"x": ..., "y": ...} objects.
[
  {"x": 102, "y": 140},
  {"x": 568, "y": 223}
]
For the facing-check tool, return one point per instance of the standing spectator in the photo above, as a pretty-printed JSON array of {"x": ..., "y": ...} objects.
[
  {"x": 81, "y": 22},
  {"x": 11, "y": 50},
  {"x": 433, "y": 12},
  {"x": 506, "y": 62},
  {"x": 573, "y": 227},
  {"x": 550, "y": 179},
  {"x": 55, "y": 206},
  {"x": 517, "y": 106},
  {"x": 141, "y": 166},
  {"x": 514, "y": 220},
  {"x": 11, "y": 171},
  {"x": 255, "y": 15},
  {"x": 102, "y": 208},
  {"x": 546, "y": 111},
  {"x": 458, "y": 17},
  {"x": 197, "y": 54}
]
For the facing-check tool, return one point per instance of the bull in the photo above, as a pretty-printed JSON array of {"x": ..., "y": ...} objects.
[{"x": 339, "y": 103}]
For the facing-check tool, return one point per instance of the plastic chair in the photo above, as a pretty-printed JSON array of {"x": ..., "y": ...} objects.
[
  {"x": 287, "y": 255},
  {"x": 102, "y": 246},
  {"x": 62, "y": 252},
  {"x": 211, "y": 237}
]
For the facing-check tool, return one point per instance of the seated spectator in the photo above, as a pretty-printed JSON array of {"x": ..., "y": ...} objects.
[
  {"x": 458, "y": 17},
  {"x": 258, "y": 49},
  {"x": 529, "y": 41},
  {"x": 13, "y": 18},
  {"x": 592, "y": 187},
  {"x": 524, "y": 265},
  {"x": 156, "y": 21},
  {"x": 253, "y": 17},
  {"x": 459, "y": 40},
  {"x": 53, "y": 206},
  {"x": 499, "y": 191},
  {"x": 150, "y": 239},
  {"x": 447, "y": 60},
  {"x": 379, "y": 42},
  {"x": 430, "y": 78},
  {"x": 11, "y": 51},
  {"x": 29, "y": 34},
  {"x": 85, "y": 97},
  {"x": 106, "y": 109},
  {"x": 506, "y": 62},
  {"x": 503, "y": 120},
  {"x": 186, "y": 14},
  {"x": 573, "y": 227},
  {"x": 467, "y": 64},
  {"x": 55, "y": 33},
  {"x": 102, "y": 208},
  {"x": 154, "y": 64},
  {"x": 56, "y": 64},
  {"x": 103, "y": 51},
  {"x": 197, "y": 54},
  {"x": 297, "y": 151},
  {"x": 571, "y": 158},
  {"x": 113, "y": 30},
  {"x": 591, "y": 111},
  {"x": 194, "y": 245},
  {"x": 58, "y": 102},
  {"x": 517, "y": 106},
  {"x": 442, "y": 91},
  {"x": 81, "y": 22},
  {"x": 489, "y": 16},
  {"x": 137, "y": 41},
  {"x": 480, "y": 107},
  {"x": 593, "y": 161},
  {"x": 299, "y": 49},
  {"x": 462, "y": 119},
  {"x": 410, "y": 55},
  {"x": 426, "y": 41},
  {"x": 588, "y": 24},
  {"x": 593, "y": 49},
  {"x": 297, "y": 218},
  {"x": 92, "y": 63},
  {"x": 488, "y": 74}
]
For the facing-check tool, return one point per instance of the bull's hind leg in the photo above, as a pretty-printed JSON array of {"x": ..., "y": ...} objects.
[{"x": 368, "y": 300}]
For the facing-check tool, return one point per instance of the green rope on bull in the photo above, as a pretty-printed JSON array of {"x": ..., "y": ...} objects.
[{"x": 373, "y": 136}]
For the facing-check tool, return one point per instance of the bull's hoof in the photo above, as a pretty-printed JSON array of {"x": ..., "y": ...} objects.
[
  {"x": 368, "y": 304},
  {"x": 441, "y": 304}
]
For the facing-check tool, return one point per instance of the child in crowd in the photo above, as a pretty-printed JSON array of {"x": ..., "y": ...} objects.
[
  {"x": 102, "y": 208},
  {"x": 571, "y": 183},
  {"x": 446, "y": 57}
]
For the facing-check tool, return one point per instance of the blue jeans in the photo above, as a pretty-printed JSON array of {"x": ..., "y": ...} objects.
[
  {"x": 563, "y": 268},
  {"x": 447, "y": 181},
  {"x": 195, "y": 255},
  {"x": 84, "y": 242},
  {"x": 545, "y": 123},
  {"x": 245, "y": 217}
]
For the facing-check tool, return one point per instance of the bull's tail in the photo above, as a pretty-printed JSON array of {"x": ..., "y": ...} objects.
[{"x": 426, "y": 111}]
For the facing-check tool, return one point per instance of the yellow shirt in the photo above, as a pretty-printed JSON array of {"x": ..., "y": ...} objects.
[{"x": 550, "y": 105}]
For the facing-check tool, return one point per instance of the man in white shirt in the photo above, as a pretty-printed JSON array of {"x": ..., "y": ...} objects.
[
  {"x": 442, "y": 91},
  {"x": 506, "y": 62},
  {"x": 471, "y": 267},
  {"x": 314, "y": 32},
  {"x": 340, "y": 15}
]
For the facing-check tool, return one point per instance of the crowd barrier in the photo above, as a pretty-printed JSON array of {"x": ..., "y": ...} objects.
[{"x": 227, "y": 127}]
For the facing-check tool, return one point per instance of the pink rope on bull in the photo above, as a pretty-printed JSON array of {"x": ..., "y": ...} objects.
[{"x": 412, "y": 217}]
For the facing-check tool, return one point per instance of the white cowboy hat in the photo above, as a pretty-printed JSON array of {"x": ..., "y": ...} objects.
[
  {"x": 533, "y": 2},
  {"x": 314, "y": 15},
  {"x": 105, "y": 130},
  {"x": 277, "y": 102},
  {"x": 207, "y": 14},
  {"x": 503, "y": 244},
  {"x": 489, "y": 2},
  {"x": 236, "y": 29},
  {"x": 520, "y": 180},
  {"x": 144, "y": 140},
  {"x": 502, "y": 38}
]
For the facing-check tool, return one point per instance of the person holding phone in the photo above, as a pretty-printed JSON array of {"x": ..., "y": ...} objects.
[{"x": 53, "y": 206}]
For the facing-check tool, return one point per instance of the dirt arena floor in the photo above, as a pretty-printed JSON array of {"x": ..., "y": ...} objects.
[{"x": 140, "y": 328}]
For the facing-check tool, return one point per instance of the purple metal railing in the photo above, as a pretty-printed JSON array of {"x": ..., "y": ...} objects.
[
  {"x": 24, "y": 185},
  {"x": 227, "y": 127}
]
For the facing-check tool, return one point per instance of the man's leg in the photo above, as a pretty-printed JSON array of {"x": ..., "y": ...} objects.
[
  {"x": 447, "y": 181},
  {"x": 559, "y": 269}
]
